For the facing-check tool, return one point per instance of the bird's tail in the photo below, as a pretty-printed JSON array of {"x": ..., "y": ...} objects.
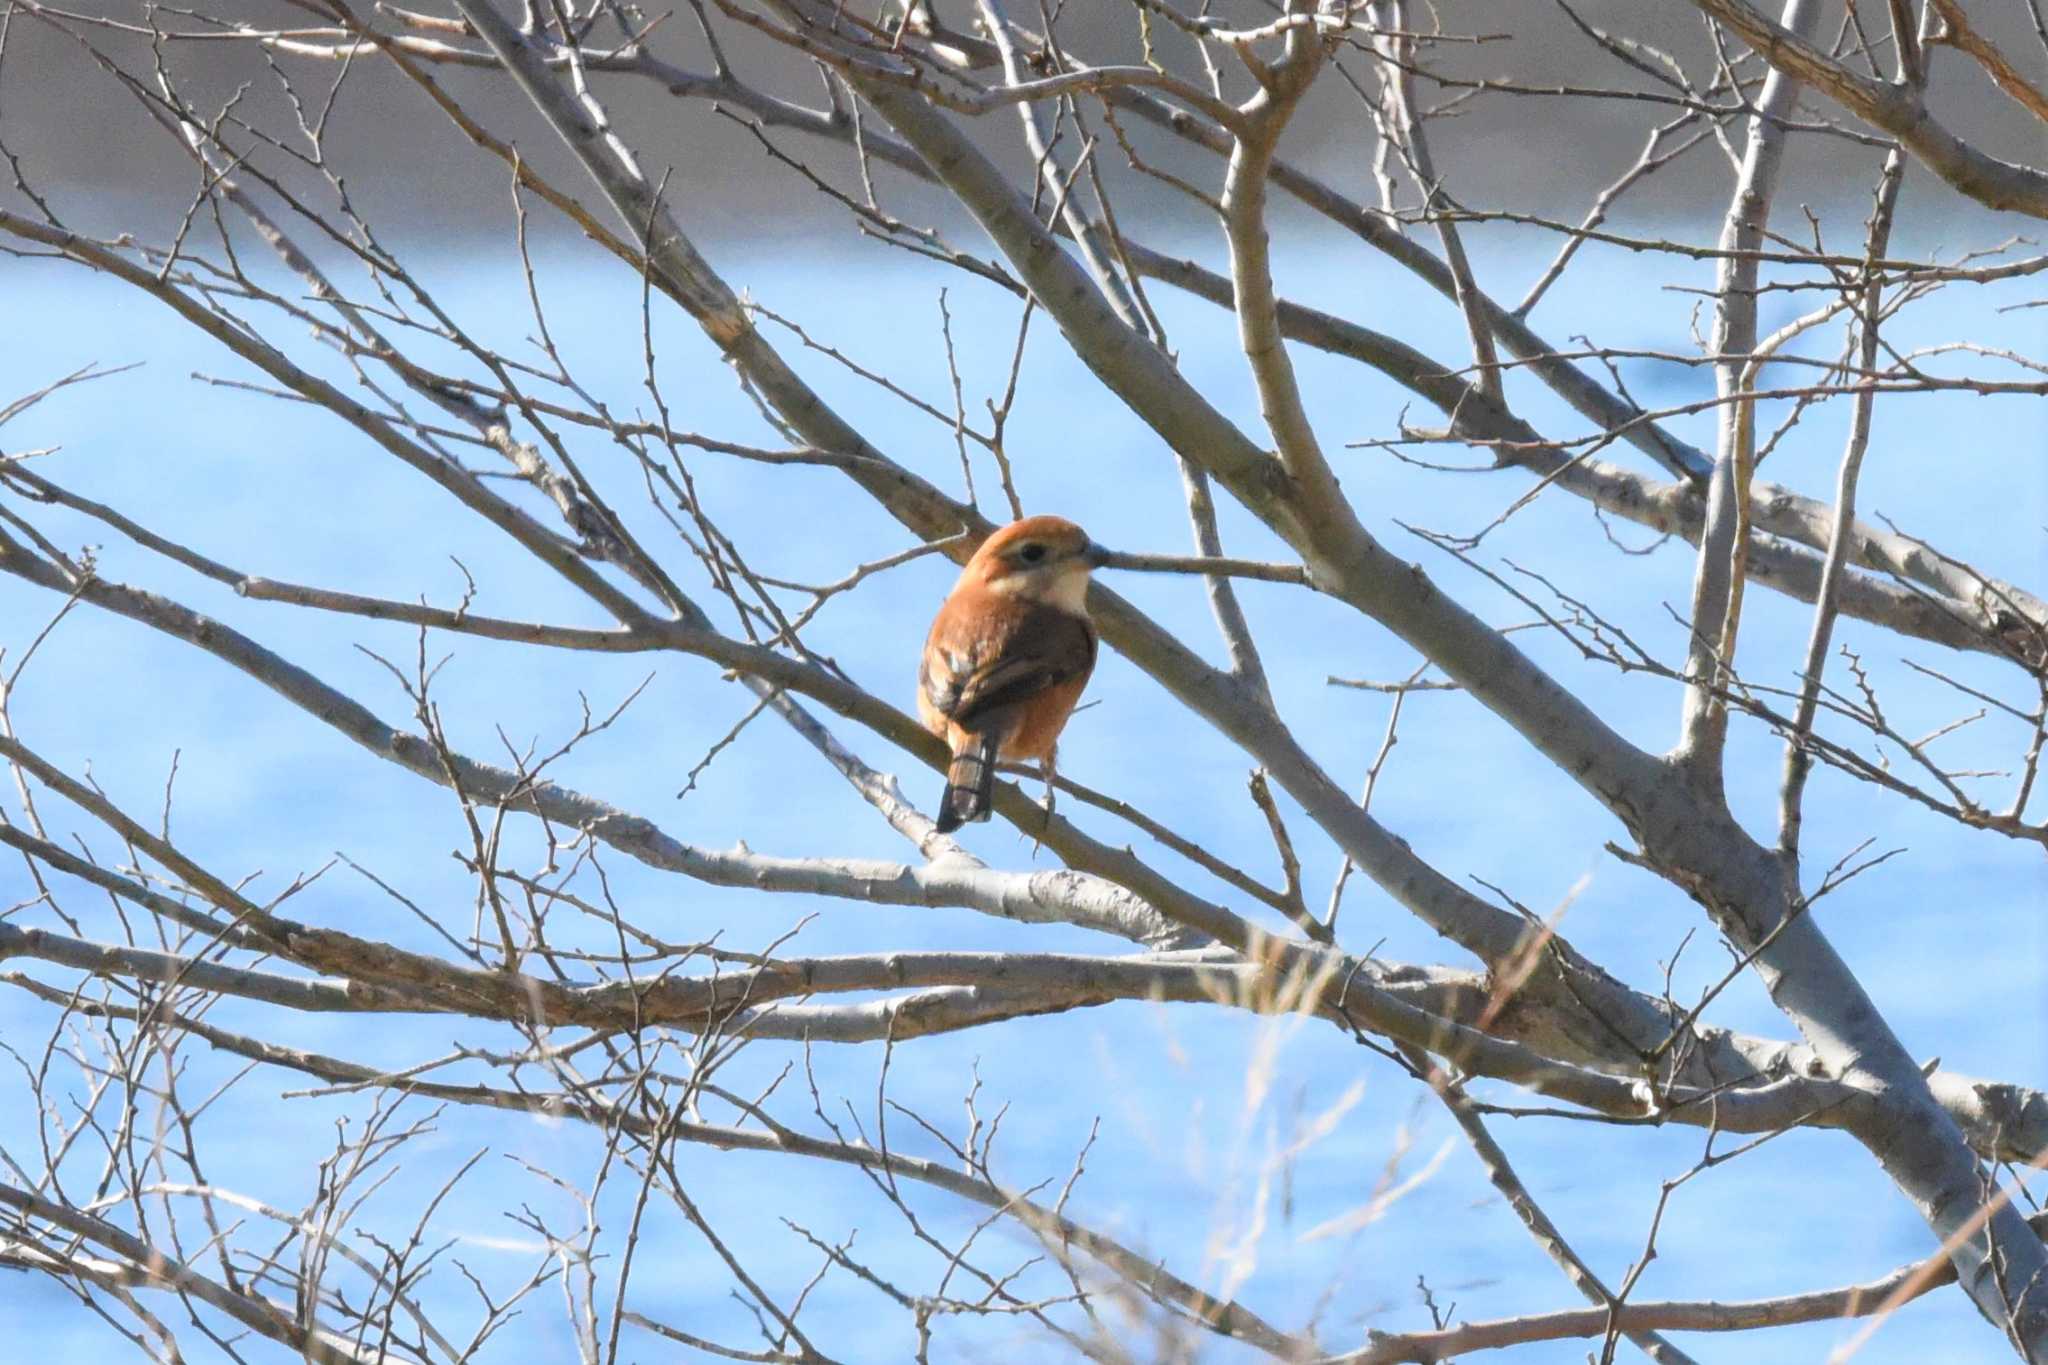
[{"x": 969, "y": 783}]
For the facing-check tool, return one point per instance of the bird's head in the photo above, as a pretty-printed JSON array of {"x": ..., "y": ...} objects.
[{"x": 1040, "y": 559}]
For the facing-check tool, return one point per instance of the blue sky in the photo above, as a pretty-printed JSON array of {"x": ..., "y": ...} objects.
[{"x": 1949, "y": 936}]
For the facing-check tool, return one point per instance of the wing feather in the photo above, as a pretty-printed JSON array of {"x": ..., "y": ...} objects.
[{"x": 1004, "y": 657}]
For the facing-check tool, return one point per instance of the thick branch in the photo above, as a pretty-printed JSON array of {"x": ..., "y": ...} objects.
[{"x": 1896, "y": 108}]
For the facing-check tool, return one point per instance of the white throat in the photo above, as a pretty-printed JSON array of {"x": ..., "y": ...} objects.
[
  {"x": 1065, "y": 588},
  {"x": 1069, "y": 590}
]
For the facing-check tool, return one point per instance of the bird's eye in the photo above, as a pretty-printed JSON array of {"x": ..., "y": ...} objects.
[{"x": 1032, "y": 553}]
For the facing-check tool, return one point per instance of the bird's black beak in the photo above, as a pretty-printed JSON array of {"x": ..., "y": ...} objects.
[{"x": 1097, "y": 556}]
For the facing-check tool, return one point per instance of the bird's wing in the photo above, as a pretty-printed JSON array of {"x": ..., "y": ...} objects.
[{"x": 1005, "y": 660}]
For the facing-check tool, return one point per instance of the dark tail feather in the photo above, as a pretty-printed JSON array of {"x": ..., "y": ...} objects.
[{"x": 969, "y": 783}]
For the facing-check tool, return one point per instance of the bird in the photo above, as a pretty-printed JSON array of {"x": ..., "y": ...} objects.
[{"x": 1008, "y": 656}]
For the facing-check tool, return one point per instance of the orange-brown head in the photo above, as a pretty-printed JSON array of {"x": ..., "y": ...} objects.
[{"x": 1038, "y": 559}]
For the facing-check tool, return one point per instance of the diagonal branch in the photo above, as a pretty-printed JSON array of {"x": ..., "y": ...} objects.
[
  {"x": 1895, "y": 107},
  {"x": 1709, "y": 1315}
]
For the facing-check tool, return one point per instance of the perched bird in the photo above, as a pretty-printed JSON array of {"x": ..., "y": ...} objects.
[{"x": 1007, "y": 657}]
